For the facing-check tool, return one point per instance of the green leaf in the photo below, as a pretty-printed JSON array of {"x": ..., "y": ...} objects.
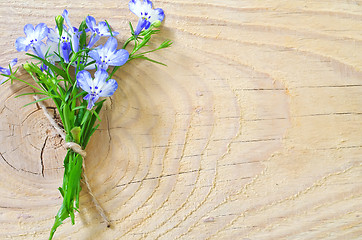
[
  {"x": 165, "y": 44},
  {"x": 67, "y": 95},
  {"x": 97, "y": 116},
  {"x": 83, "y": 26},
  {"x": 109, "y": 28},
  {"x": 79, "y": 107},
  {"x": 145, "y": 40},
  {"x": 82, "y": 39},
  {"x": 94, "y": 129},
  {"x": 76, "y": 134},
  {"x": 31, "y": 93},
  {"x": 80, "y": 115},
  {"x": 61, "y": 191},
  {"x": 131, "y": 27},
  {"x": 51, "y": 66},
  {"x": 113, "y": 72},
  {"x": 85, "y": 117},
  {"x": 87, "y": 131},
  {"x": 151, "y": 60},
  {"x": 39, "y": 100},
  {"x": 83, "y": 36}
]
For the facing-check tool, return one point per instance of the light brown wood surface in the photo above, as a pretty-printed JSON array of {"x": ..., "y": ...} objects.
[{"x": 253, "y": 131}]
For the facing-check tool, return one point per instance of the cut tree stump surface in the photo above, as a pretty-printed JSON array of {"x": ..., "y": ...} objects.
[{"x": 253, "y": 131}]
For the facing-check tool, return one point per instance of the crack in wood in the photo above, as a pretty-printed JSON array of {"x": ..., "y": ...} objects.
[
  {"x": 301, "y": 116},
  {"x": 17, "y": 169},
  {"x": 158, "y": 177},
  {"x": 298, "y": 87},
  {"x": 41, "y": 156}
]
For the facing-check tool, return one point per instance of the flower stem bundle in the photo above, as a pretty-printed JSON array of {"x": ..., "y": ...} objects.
[{"x": 77, "y": 74}]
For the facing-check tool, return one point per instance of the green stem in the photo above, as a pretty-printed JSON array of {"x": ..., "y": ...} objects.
[
  {"x": 70, "y": 190},
  {"x": 31, "y": 85}
]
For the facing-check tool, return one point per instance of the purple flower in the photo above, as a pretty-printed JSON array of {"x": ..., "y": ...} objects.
[
  {"x": 108, "y": 55},
  {"x": 97, "y": 87},
  {"x": 6, "y": 71},
  {"x": 33, "y": 38},
  {"x": 147, "y": 15},
  {"x": 72, "y": 32},
  {"x": 97, "y": 31}
]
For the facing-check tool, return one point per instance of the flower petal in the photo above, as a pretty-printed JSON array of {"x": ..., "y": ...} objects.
[
  {"x": 13, "y": 62},
  {"x": 3, "y": 80},
  {"x": 66, "y": 50},
  {"x": 111, "y": 45},
  {"x": 156, "y": 14},
  {"x": 53, "y": 35},
  {"x": 142, "y": 23},
  {"x": 104, "y": 30},
  {"x": 91, "y": 23},
  {"x": 4, "y": 71},
  {"x": 100, "y": 78},
  {"x": 147, "y": 4},
  {"x": 41, "y": 31},
  {"x": 75, "y": 42},
  {"x": 135, "y": 6},
  {"x": 66, "y": 18},
  {"x": 87, "y": 97},
  {"x": 29, "y": 30},
  {"x": 91, "y": 100},
  {"x": 108, "y": 88},
  {"x": 21, "y": 44},
  {"x": 95, "y": 55},
  {"x": 37, "y": 49},
  {"x": 84, "y": 81},
  {"x": 119, "y": 58},
  {"x": 90, "y": 66},
  {"x": 148, "y": 24},
  {"x": 49, "y": 51},
  {"x": 102, "y": 65},
  {"x": 94, "y": 38}
]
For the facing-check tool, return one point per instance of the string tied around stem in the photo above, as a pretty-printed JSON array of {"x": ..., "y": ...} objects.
[{"x": 77, "y": 149}]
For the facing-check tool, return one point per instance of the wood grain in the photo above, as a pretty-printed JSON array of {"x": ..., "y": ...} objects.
[{"x": 253, "y": 131}]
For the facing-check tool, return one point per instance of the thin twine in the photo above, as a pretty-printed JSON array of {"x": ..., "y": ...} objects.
[{"x": 77, "y": 149}]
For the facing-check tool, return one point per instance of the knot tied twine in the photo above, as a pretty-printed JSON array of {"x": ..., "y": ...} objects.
[{"x": 77, "y": 149}]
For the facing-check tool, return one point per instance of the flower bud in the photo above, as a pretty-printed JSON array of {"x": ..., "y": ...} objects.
[
  {"x": 30, "y": 67},
  {"x": 156, "y": 23},
  {"x": 27, "y": 67},
  {"x": 59, "y": 20}
]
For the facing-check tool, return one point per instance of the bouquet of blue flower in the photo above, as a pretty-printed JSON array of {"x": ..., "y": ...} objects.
[{"x": 59, "y": 53}]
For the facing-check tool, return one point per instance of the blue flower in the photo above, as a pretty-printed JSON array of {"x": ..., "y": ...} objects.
[
  {"x": 108, "y": 55},
  {"x": 147, "y": 15},
  {"x": 97, "y": 87},
  {"x": 72, "y": 32},
  {"x": 97, "y": 31},
  {"x": 64, "y": 40},
  {"x": 6, "y": 71},
  {"x": 33, "y": 38}
]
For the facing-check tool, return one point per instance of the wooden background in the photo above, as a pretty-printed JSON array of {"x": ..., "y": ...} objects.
[{"x": 253, "y": 131}]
